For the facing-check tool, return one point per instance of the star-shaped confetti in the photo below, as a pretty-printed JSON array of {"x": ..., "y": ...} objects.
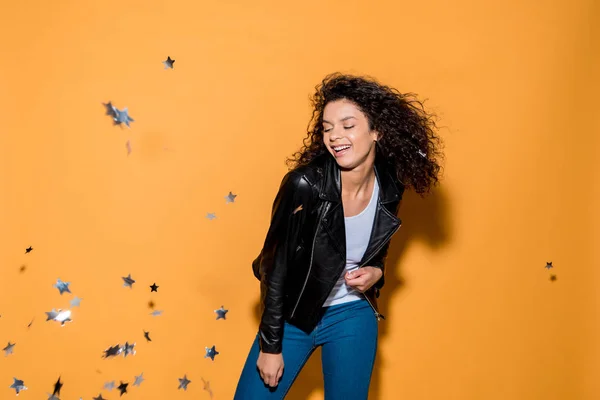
[
  {"x": 154, "y": 288},
  {"x": 122, "y": 117},
  {"x": 168, "y": 63},
  {"x": 109, "y": 385},
  {"x": 60, "y": 316},
  {"x": 8, "y": 349},
  {"x": 122, "y": 388},
  {"x": 22, "y": 268},
  {"x": 139, "y": 379},
  {"x": 99, "y": 397},
  {"x": 553, "y": 277},
  {"x": 75, "y": 301},
  {"x": 128, "y": 281},
  {"x": 211, "y": 352},
  {"x": 57, "y": 386},
  {"x": 147, "y": 336},
  {"x": 549, "y": 265},
  {"x": 151, "y": 304},
  {"x": 62, "y": 286},
  {"x": 211, "y": 216},
  {"x": 230, "y": 197},
  {"x": 113, "y": 351},
  {"x": 110, "y": 109},
  {"x": 52, "y": 396},
  {"x": 156, "y": 313},
  {"x": 28, "y": 250},
  {"x": 18, "y": 385},
  {"x": 128, "y": 349},
  {"x": 128, "y": 147},
  {"x": 184, "y": 382},
  {"x": 207, "y": 387},
  {"x": 221, "y": 313}
]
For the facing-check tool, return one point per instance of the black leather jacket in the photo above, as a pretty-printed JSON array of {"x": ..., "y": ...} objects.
[{"x": 304, "y": 252}]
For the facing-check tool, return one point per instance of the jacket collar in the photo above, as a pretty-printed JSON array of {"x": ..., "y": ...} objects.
[{"x": 331, "y": 187}]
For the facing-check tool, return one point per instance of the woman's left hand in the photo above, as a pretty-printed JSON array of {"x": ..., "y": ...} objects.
[{"x": 363, "y": 278}]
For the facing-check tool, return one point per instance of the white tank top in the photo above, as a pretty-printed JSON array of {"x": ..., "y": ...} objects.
[{"x": 358, "y": 233}]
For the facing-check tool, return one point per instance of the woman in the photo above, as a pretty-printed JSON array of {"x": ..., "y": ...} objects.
[{"x": 322, "y": 263}]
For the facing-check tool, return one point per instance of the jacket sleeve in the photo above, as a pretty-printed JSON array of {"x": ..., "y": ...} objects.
[{"x": 270, "y": 267}]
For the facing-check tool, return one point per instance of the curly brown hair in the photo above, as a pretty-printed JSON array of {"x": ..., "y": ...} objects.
[{"x": 407, "y": 132}]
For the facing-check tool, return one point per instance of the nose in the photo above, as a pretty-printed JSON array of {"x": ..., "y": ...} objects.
[{"x": 335, "y": 134}]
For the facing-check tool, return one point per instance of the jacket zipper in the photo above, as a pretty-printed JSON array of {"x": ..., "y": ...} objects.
[
  {"x": 377, "y": 314},
  {"x": 312, "y": 252}
]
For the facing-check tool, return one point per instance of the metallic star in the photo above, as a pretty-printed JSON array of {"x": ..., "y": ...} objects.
[
  {"x": 57, "y": 386},
  {"x": 112, "y": 352},
  {"x": 99, "y": 397},
  {"x": 122, "y": 117},
  {"x": 154, "y": 288},
  {"x": 52, "y": 397},
  {"x": 109, "y": 386},
  {"x": 28, "y": 250},
  {"x": 8, "y": 349},
  {"x": 75, "y": 301},
  {"x": 60, "y": 316},
  {"x": 230, "y": 197},
  {"x": 62, "y": 286},
  {"x": 553, "y": 277},
  {"x": 211, "y": 216},
  {"x": 128, "y": 349},
  {"x": 147, "y": 336},
  {"x": 123, "y": 388},
  {"x": 207, "y": 387},
  {"x": 138, "y": 379},
  {"x": 168, "y": 63},
  {"x": 183, "y": 382},
  {"x": 128, "y": 281},
  {"x": 156, "y": 313},
  {"x": 221, "y": 313},
  {"x": 18, "y": 385},
  {"x": 211, "y": 352},
  {"x": 110, "y": 109},
  {"x": 128, "y": 147},
  {"x": 549, "y": 265}
]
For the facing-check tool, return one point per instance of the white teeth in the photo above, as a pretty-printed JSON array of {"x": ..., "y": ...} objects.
[{"x": 339, "y": 148}]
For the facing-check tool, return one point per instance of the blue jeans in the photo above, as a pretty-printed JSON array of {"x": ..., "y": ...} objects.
[{"x": 348, "y": 335}]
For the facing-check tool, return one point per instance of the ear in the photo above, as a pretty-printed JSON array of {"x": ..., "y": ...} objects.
[{"x": 375, "y": 135}]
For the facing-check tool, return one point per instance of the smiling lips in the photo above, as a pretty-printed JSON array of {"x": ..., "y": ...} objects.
[{"x": 341, "y": 150}]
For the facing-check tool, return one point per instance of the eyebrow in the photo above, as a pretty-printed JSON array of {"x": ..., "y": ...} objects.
[{"x": 343, "y": 119}]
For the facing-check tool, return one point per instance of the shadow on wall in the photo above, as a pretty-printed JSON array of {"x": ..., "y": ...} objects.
[{"x": 423, "y": 219}]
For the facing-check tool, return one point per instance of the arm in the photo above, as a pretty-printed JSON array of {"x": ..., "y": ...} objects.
[
  {"x": 379, "y": 262},
  {"x": 271, "y": 265}
]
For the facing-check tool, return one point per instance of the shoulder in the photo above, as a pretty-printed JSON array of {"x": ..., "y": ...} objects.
[{"x": 304, "y": 181}]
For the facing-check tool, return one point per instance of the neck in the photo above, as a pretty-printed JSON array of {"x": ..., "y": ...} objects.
[{"x": 358, "y": 181}]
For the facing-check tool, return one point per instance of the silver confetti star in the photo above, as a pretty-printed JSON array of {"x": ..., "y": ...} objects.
[
  {"x": 138, "y": 379},
  {"x": 156, "y": 313},
  {"x": 128, "y": 281},
  {"x": 18, "y": 385},
  {"x": 183, "y": 382},
  {"x": 128, "y": 349},
  {"x": 221, "y": 313},
  {"x": 211, "y": 352},
  {"x": 110, "y": 109},
  {"x": 62, "y": 286},
  {"x": 122, "y": 117},
  {"x": 128, "y": 147},
  {"x": 168, "y": 63},
  {"x": 60, "y": 316},
  {"x": 109, "y": 386},
  {"x": 8, "y": 349},
  {"x": 230, "y": 197},
  {"x": 99, "y": 397},
  {"x": 211, "y": 216},
  {"x": 52, "y": 397},
  {"x": 75, "y": 301}
]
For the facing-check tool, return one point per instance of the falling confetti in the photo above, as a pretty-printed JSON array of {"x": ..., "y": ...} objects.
[
  {"x": 62, "y": 286},
  {"x": 211, "y": 352},
  {"x": 184, "y": 382},
  {"x": 156, "y": 313},
  {"x": 112, "y": 351},
  {"x": 30, "y": 322},
  {"x": 553, "y": 278},
  {"x": 122, "y": 117},
  {"x": 128, "y": 147},
  {"x": 123, "y": 388},
  {"x": 128, "y": 281},
  {"x": 139, "y": 379},
  {"x": 8, "y": 349},
  {"x": 207, "y": 387},
  {"x": 57, "y": 386},
  {"x": 52, "y": 397},
  {"x": 59, "y": 315},
  {"x": 75, "y": 301},
  {"x": 128, "y": 349},
  {"x": 22, "y": 268},
  {"x": 28, "y": 250},
  {"x": 211, "y": 216},
  {"x": 168, "y": 63},
  {"x": 99, "y": 397},
  {"x": 109, "y": 385},
  {"x": 151, "y": 304},
  {"x": 154, "y": 288},
  {"x": 110, "y": 110},
  {"x": 299, "y": 208},
  {"x": 221, "y": 313},
  {"x": 230, "y": 197},
  {"x": 18, "y": 385},
  {"x": 549, "y": 265},
  {"x": 147, "y": 336}
]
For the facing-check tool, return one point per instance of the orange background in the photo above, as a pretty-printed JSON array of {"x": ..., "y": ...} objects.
[{"x": 471, "y": 312}]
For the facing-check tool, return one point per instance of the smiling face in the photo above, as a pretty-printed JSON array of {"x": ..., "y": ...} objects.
[{"x": 346, "y": 134}]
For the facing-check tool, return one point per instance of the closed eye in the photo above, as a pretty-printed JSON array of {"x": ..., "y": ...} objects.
[{"x": 349, "y": 127}]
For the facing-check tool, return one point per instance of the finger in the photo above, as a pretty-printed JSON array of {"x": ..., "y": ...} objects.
[
  {"x": 273, "y": 381},
  {"x": 279, "y": 374}
]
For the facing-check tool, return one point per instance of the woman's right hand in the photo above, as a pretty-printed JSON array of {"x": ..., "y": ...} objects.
[{"x": 270, "y": 367}]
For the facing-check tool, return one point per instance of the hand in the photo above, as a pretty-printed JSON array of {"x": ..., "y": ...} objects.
[
  {"x": 270, "y": 367},
  {"x": 363, "y": 278}
]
